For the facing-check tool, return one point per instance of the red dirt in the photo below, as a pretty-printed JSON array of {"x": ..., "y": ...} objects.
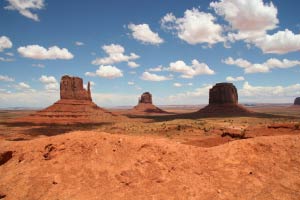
[{"x": 97, "y": 165}]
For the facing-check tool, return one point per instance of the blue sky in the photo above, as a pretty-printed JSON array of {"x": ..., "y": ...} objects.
[{"x": 175, "y": 49}]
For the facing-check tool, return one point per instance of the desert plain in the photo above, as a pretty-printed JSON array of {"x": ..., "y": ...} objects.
[{"x": 162, "y": 156}]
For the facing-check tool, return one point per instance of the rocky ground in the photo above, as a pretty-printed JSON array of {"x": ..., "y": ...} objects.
[
  {"x": 152, "y": 157},
  {"x": 97, "y": 165}
]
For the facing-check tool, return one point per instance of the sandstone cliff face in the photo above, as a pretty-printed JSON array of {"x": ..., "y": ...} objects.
[
  {"x": 146, "y": 97},
  {"x": 72, "y": 88},
  {"x": 297, "y": 101},
  {"x": 75, "y": 106},
  {"x": 145, "y": 105},
  {"x": 223, "y": 101},
  {"x": 223, "y": 93}
]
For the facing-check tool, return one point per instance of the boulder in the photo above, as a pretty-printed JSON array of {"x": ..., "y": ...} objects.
[{"x": 297, "y": 101}]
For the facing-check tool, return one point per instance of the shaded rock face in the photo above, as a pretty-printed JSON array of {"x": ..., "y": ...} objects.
[
  {"x": 72, "y": 88},
  {"x": 223, "y": 93},
  {"x": 223, "y": 101},
  {"x": 146, "y": 98},
  {"x": 297, "y": 101}
]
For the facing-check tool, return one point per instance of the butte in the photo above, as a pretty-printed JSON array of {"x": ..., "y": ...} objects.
[
  {"x": 145, "y": 106},
  {"x": 74, "y": 107},
  {"x": 297, "y": 101},
  {"x": 223, "y": 101}
]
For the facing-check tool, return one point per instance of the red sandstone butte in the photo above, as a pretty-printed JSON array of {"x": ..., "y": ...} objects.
[
  {"x": 297, "y": 101},
  {"x": 72, "y": 88},
  {"x": 145, "y": 105},
  {"x": 75, "y": 106},
  {"x": 223, "y": 100}
]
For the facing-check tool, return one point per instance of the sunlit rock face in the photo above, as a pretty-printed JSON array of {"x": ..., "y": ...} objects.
[
  {"x": 223, "y": 93},
  {"x": 75, "y": 106},
  {"x": 72, "y": 88}
]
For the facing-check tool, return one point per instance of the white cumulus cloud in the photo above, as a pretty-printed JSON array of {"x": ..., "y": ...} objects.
[
  {"x": 115, "y": 54},
  {"x": 249, "y": 90},
  {"x": 49, "y": 82},
  {"x": 187, "y": 71},
  {"x": 25, "y": 7},
  {"x": 177, "y": 85},
  {"x": 144, "y": 34},
  {"x": 261, "y": 67},
  {"x": 156, "y": 69},
  {"x": 133, "y": 64},
  {"x": 191, "y": 97},
  {"x": 78, "y": 43},
  {"x": 6, "y": 78},
  {"x": 233, "y": 79},
  {"x": 154, "y": 77},
  {"x": 23, "y": 86},
  {"x": 41, "y": 53},
  {"x": 106, "y": 71},
  {"x": 48, "y": 79},
  {"x": 194, "y": 27},
  {"x": 5, "y": 43},
  {"x": 281, "y": 42},
  {"x": 249, "y": 19}
]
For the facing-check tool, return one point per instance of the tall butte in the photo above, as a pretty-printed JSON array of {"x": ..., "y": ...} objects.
[
  {"x": 297, "y": 101},
  {"x": 145, "y": 105},
  {"x": 223, "y": 100},
  {"x": 75, "y": 106}
]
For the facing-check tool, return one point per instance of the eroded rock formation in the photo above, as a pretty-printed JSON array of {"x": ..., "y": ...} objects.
[
  {"x": 223, "y": 100},
  {"x": 145, "y": 105},
  {"x": 146, "y": 97},
  {"x": 223, "y": 93},
  {"x": 75, "y": 106},
  {"x": 72, "y": 88},
  {"x": 297, "y": 101}
]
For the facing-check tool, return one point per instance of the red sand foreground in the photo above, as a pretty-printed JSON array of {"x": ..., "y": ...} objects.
[{"x": 91, "y": 165}]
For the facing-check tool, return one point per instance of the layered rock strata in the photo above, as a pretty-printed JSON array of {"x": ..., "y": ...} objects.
[
  {"x": 145, "y": 105},
  {"x": 75, "y": 106},
  {"x": 223, "y": 100}
]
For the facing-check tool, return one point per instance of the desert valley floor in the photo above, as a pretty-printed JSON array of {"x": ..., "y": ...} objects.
[{"x": 163, "y": 156}]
